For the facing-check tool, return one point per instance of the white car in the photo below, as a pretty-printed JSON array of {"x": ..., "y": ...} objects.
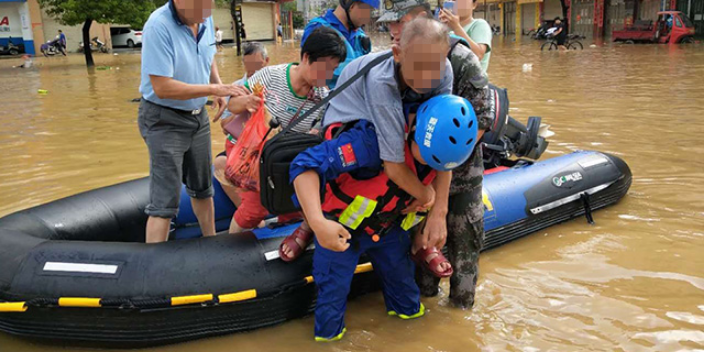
[{"x": 123, "y": 36}]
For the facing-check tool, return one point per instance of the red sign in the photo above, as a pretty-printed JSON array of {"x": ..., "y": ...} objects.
[{"x": 5, "y": 21}]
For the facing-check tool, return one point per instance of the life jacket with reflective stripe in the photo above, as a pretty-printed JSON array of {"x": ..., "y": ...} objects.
[{"x": 373, "y": 205}]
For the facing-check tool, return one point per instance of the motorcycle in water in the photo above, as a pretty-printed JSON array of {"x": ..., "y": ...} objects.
[
  {"x": 542, "y": 32},
  {"x": 95, "y": 45},
  {"x": 52, "y": 47},
  {"x": 10, "y": 49}
]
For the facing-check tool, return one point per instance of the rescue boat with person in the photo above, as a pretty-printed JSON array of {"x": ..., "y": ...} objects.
[{"x": 77, "y": 269}]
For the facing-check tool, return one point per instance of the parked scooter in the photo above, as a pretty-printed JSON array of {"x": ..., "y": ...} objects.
[
  {"x": 95, "y": 45},
  {"x": 10, "y": 49}
]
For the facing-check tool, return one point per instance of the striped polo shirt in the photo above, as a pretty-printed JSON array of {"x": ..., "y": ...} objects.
[{"x": 280, "y": 99}]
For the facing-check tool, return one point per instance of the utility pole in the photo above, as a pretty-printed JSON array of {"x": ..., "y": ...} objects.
[
  {"x": 306, "y": 8},
  {"x": 236, "y": 12}
]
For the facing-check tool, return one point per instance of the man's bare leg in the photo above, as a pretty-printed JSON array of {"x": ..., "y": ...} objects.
[
  {"x": 205, "y": 212},
  {"x": 158, "y": 229}
]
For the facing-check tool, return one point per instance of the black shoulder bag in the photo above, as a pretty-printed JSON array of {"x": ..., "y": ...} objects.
[{"x": 279, "y": 152}]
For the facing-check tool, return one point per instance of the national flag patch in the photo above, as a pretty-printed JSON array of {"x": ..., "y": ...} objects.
[{"x": 347, "y": 155}]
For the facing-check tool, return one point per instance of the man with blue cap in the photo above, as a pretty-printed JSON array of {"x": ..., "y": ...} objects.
[{"x": 347, "y": 19}]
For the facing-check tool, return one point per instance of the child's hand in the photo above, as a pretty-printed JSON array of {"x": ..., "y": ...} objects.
[
  {"x": 331, "y": 235},
  {"x": 422, "y": 204},
  {"x": 450, "y": 19}
]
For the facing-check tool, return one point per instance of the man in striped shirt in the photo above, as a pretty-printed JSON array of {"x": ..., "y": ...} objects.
[{"x": 290, "y": 90}]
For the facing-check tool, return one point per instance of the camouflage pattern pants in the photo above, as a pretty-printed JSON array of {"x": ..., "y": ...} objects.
[{"x": 465, "y": 235}]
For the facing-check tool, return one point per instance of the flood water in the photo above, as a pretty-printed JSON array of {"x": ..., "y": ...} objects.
[{"x": 634, "y": 281}]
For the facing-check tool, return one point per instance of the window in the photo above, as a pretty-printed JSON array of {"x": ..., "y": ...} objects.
[
  {"x": 678, "y": 23},
  {"x": 686, "y": 20}
]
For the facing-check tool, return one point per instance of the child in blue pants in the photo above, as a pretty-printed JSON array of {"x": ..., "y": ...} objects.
[
  {"x": 361, "y": 211},
  {"x": 333, "y": 272}
]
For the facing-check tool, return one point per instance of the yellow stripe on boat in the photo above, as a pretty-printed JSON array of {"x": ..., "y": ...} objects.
[
  {"x": 13, "y": 307},
  {"x": 79, "y": 302},
  {"x": 361, "y": 268},
  {"x": 179, "y": 301},
  {"x": 237, "y": 296}
]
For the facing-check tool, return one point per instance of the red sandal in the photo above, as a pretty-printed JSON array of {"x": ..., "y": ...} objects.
[
  {"x": 291, "y": 241},
  {"x": 421, "y": 258}
]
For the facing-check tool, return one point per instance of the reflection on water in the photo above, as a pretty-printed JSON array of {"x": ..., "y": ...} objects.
[{"x": 633, "y": 282}]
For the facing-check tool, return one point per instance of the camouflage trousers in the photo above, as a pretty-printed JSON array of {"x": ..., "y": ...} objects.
[{"x": 465, "y": 235}]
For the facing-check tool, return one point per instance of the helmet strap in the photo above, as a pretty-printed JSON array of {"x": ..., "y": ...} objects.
[{"x": 346, "y": 5}]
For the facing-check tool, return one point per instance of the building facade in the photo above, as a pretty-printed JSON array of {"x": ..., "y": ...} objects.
[{"x": 594, "y": 19}]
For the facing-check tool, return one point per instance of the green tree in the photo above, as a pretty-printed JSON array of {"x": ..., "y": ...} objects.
[
  {"x": 75, "y": 12},
  {"x": 298, "y": 21}
]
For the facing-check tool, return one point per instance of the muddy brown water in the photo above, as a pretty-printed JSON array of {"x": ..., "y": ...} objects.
[{"x": 634, "y": 281}]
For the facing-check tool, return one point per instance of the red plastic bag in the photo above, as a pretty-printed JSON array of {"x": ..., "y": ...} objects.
[{"x": 243, "y": 162}]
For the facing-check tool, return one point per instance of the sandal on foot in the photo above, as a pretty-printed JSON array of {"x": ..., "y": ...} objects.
[
  {"x": 292, "y": 241},
  {"x": 421, "y": 258}
]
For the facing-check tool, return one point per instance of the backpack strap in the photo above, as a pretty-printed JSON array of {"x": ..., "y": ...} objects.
[{"x": 335, "y": 92}]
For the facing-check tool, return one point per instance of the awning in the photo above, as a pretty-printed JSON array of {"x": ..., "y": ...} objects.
[{"x": 482, "y": 2}]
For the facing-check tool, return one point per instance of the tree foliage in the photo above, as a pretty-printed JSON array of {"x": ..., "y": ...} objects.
[
  {"x": 75, "y": 12},
  {"x": 298, "y": 20}
]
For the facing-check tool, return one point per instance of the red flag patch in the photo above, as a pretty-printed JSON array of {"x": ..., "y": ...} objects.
[{"x": 347, "y": 155}]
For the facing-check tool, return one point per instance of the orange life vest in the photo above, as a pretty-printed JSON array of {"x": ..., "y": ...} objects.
[{"x": 374, "y": 204}]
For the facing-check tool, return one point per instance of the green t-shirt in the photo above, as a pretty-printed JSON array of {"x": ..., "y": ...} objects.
[{"x": 480, "y": 32}]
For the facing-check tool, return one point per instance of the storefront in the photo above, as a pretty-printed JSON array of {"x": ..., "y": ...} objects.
[
  {"x": 16, "y": 25},
  {"x": 489, "y": 11},
  {"x": 510, "y": 21},
  {"x": 648, "y": 9},
  {"x": 694, "y": 9},
  {"x": 616, "y": 16},
  {"x": 258, "y": 18},
  {"x": 583, "y": 18},
  {"x": 529, "y": 15},
  {"x": 552, "y": 9}
]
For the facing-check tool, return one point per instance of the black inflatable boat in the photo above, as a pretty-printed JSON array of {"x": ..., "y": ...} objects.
[{"x": 76, "y": 268}]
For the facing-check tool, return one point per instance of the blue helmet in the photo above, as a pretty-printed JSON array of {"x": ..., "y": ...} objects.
[
  {"x": 373, "y": 3},
  {"x": 346, "y": 4},
  {"x": 446, "y": 131}
]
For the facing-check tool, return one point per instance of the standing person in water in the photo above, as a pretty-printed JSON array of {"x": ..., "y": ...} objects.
[
  {"x": 475, "y": 31},
  {"x": 218, "y": 38},
  {"x": 560, "y": 34},
  {"x": 177, "y": 79},
  {"x": 62, "y": 42},
  {"x": 465, "y": 217},
  {"x": 347, "y": 20},
  {"x": 392, "y": 90}
]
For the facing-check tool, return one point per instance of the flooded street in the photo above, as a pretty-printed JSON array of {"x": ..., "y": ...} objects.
[{"x": 634, "y": 281}]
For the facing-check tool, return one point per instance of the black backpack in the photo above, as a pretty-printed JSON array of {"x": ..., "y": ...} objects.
[{"x": 275, "y": 189}]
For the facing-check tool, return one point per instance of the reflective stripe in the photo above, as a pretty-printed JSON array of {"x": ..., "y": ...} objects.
[
  {"x": 360, "y": 209},
  {"x": 179, "y": 301},
  {"x": 13, "y": 307},
  {"x": 421, "y": 312},
  {"x": 238, "y": 296},
  {"x": 334, "y": 338},
  {"x": 79, "y": 302},
  {"x": 412, "y": 219}
]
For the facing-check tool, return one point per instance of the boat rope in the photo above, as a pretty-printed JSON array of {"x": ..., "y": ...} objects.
[{"x": 153, "y": 303}]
